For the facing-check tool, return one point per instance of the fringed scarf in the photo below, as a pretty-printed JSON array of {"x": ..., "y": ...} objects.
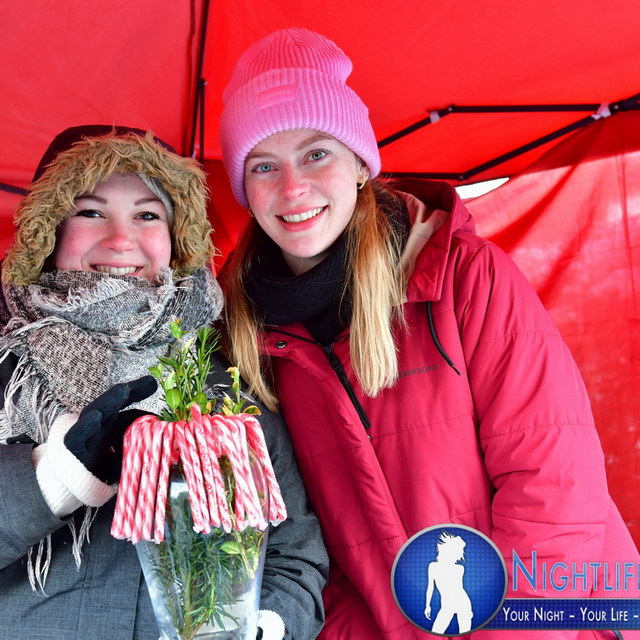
[{"x": 76, "y": 334}]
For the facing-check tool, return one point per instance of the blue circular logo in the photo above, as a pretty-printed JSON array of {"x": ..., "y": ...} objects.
[{"x": 449, "y": 580}]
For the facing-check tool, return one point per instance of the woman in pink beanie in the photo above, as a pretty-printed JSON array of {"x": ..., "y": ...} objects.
[{"x": 421, "y": 379}]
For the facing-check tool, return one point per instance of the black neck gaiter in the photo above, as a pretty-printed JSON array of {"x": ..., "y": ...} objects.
[
  {"x": 312, "y": 298},
  {"x": 316, "y": 298}
]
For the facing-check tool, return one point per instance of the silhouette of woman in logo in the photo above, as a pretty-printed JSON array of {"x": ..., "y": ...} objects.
[{"x": 447, "y": 575}]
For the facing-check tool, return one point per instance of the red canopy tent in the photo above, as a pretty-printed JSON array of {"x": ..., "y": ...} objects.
[{"x": 519, "y": 74}]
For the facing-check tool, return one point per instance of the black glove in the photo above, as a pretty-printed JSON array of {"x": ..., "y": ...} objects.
[{"x": 96, "y": 438}]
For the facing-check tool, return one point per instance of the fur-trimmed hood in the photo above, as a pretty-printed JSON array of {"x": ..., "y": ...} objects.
[{"x": 79, "y": 169}]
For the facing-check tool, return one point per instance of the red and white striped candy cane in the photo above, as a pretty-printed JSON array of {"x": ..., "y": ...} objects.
[
  {"x": 132, "y": 453},
  {"x": 193, "y": 476},
  {"x": 207, "y": 473},
  {"x": 163, "y": 482},
  {"x": 207, "y": 460},
  {"x": 149, "y": 496},
  {"x": 231, "y": 440},
  {"x": 213, "y": 445},
  {"x": 255, "y": 437},
  {"x": 146, "y": 488},
  {"x": 228, "y": 449},
  {"x": 256, "y": 517}
]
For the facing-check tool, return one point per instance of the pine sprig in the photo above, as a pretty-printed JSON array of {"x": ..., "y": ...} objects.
[{"x": 183, "y": 373}]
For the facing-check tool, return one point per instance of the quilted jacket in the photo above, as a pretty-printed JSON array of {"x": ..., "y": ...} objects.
[{"x": 507, "y": 447}]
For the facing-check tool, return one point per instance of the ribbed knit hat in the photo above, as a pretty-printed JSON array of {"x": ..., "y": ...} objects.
[{"x": 292, "y": 79}]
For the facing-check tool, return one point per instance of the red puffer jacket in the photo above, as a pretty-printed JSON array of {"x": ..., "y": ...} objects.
[{"x": 509, "y": 447}]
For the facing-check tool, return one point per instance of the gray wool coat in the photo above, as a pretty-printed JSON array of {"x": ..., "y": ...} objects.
[{"x": 106, "y": 598}]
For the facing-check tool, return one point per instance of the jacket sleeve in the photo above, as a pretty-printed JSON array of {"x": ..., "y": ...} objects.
[
  {"x": 25, "y": 518},
  {"x": 536, "y": 429},
  {"x": 296, "y": 562}
]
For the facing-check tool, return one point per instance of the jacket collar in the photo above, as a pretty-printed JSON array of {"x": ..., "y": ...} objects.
[{"x": 436, "y": 213}]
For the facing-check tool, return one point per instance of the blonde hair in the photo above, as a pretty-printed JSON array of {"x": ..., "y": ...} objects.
[{"x": 373, "y": 279}]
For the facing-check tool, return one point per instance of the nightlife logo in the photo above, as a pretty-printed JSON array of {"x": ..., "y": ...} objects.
[{"x": 449, "y": 580}]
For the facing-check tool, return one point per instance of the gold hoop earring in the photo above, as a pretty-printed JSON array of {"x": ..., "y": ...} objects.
[
  {"x": 250, "y": 212},
  {"x": 363, "y": 183}
]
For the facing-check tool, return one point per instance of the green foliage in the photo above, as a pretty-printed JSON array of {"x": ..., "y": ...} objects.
[
  {"x": 202, "y": 575},
  {"x": 232, "y": 406},
  {"x": 183, "y": 373}
]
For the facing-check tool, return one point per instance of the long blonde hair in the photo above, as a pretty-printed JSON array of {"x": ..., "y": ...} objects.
[{"x": 373, "y": 279}]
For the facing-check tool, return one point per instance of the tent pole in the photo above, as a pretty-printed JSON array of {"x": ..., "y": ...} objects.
[
  {"x": 11, "y": 189},
  {"x": 627, "y": 104},
  {"x": 198, "y": 113},
  {"x": 438, "y": 114},
  {"x": 521, "y": 108}
]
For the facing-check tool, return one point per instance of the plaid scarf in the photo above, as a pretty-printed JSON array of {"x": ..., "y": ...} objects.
[{"x": 77, "y": 333}]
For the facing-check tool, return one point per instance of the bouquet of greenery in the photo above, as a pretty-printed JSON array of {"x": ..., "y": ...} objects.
[{"x": 196, "y": 493}]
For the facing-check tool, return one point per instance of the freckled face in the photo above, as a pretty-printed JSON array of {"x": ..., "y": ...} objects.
[
  {"x": 120, "y": 228},
  {"x": 302, "y": 188}
]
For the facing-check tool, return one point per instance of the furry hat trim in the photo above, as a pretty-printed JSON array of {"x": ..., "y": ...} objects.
[{"x": 79, "y": 169}]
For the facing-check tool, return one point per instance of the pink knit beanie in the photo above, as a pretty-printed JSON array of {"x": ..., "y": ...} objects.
[{"x": 292, "y": 79}]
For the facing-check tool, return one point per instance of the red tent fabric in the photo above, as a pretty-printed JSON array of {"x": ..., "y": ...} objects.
[
  {"x": 572, "y": 224},
  {"x": 137, "y": 63},
  {"x": 414, "y": 57},
  {"x": 67, "y": 63}
]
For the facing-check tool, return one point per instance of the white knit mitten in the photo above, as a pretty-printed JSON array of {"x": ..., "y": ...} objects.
[{"x": 65, "y": 482}]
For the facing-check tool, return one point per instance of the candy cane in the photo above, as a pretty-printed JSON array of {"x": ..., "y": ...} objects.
[
  {"x": 256, "y": 515},
  {"x": 213, "y": 445},
  {"x": 255, "y": 438},
  {"x": 207, "y": 472},
  {"x": 206, "y": 453},
  {"x": 163, "y": 482},
  {"x": 126, "y": 502},
  {"x": 145, "y": 488},
  {"x": 231, "y": 439},
  {"x": 193, "y": 476},
  {"x": 227, "y": 448},
  {"x": 148, "y": 498}
]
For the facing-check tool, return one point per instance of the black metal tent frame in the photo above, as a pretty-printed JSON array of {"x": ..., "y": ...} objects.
[{"x": 596, "y": 112}]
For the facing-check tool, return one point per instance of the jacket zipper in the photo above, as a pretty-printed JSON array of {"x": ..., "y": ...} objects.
[{"x": 337, "y": 367}]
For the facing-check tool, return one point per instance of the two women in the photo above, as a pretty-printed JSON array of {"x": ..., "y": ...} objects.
[
  {"x": 420, "y": 378},
  {"x": 112, "y": 245}
]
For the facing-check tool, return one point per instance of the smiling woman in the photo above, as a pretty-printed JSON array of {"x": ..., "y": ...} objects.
[
  {"x": 78, "y": 166},
  {"x": 112, "y": 247},
  {"x": 302, "y": 186},
  {"x": 422, "y": 381},
  {"x": 120, "y": 228}
]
